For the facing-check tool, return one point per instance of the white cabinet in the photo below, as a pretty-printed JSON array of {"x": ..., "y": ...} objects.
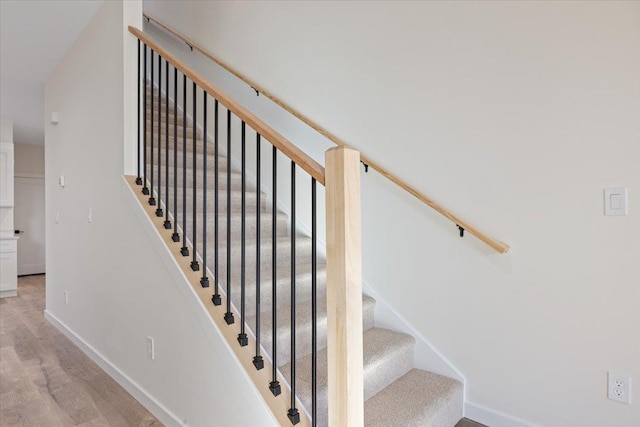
[{"x": 8, "y": 252}]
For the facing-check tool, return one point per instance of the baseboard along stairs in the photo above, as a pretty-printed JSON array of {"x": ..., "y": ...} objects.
[{"x": 241, "y": 252}]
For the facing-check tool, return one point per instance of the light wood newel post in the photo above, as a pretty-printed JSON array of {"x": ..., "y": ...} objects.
[{"x": 344, "y": 288}]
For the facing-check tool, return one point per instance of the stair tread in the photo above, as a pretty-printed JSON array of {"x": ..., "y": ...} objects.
[{"x": 418, "y": 398}]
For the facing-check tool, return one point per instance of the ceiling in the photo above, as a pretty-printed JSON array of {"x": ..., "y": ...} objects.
[{"x": 34, "y": 36}]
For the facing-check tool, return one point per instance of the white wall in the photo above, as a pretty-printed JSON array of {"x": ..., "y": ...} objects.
[
  {"x": 28, "y": 159},
  {"x": 515, "y": 115},
  {"x": 119, "y": 290}
]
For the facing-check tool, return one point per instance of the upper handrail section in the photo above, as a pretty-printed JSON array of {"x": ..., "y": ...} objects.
[
  {"x": 302, "y": 159},
  {"x": 462, "y": 224}
]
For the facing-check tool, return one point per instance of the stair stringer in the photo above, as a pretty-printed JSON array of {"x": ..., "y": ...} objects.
[{"x": 210, "y": 317}]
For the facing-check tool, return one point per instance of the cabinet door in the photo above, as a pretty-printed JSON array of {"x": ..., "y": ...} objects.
[{"x": 6, "y": 175}]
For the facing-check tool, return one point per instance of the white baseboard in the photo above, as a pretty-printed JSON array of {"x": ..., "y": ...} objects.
[
  {"x": 152, "y": 405},
  {"x": 9, "y": 293},
  {"x": 492, "y": 418}
]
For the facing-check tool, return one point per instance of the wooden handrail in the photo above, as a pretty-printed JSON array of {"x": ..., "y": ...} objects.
[
  {"x": 302, "y": 159},
  {"x": 495, "y": 244}
]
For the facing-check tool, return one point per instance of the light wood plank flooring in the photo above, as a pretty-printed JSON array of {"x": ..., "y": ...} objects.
[{"x": 45, "y": 380}]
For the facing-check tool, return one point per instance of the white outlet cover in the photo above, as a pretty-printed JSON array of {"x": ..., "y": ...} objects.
[{"x": 619, "y": 387}]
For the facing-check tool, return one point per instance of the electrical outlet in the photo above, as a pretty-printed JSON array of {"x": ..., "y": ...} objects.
[
  {"x": 151, "y": 351},
  {"x": 66, "y": 297},
  {"x": 619, "y": 387}
]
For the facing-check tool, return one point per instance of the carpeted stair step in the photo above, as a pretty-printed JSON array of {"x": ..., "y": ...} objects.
[
  {"x": 251, "y": 201},
  {"x": 163, "y": 126},
  {"x": 236, "y": 179},
  {"x": 235, "y": 232},
  {"x": 171, "y": 116},
  {"x": 211, "y": 158},
  {"x": 181, "y": 142},
  {"x": 283, "y": 251},
  {"x": 417, "y": 399},
  {"x": 303, "y": 327},
  {"x": 388, "y": 355},
  {"x": 283, "y": 285}
]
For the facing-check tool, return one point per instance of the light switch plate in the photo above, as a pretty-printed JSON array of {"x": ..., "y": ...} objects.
[{"x": 615, "y": 201}]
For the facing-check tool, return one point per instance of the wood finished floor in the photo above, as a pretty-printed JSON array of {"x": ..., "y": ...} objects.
[{"x": 45, "y": 380}]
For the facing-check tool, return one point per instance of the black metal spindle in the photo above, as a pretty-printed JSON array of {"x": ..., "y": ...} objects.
[
  {"x": 292, "y": 413},
  {"x": 258, "y": 362},
  {"x": 242, "y": 337},
  {"x": 175, "y": 236},
  {"x": 184, "y": 250},
  {"x": 152, "y": 200},
  {"x": 314, "y": 304},
  {"x": 216, "y": 299},
  {"x": 228, "y": 316},
  {"x": 159, "y": 208},
  {"x": 274, "y": 385},
  {"x": 194, "y": 262},
  {"x": 145, "y": 189},
  {"x": 204, "y": 280},
  {"x": 138, "y": 177},
  {"x": 167, "y": 223}
]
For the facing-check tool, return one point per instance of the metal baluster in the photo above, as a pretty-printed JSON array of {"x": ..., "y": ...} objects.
[
  {"x": 175, "y": 236},
  {"x": 274, "y": 385},
  {"x": 145, "y": 189},
  {"x": 138, "y": 177},
  {"x": 228, "y": 316},
  {"x": 194, "y": 262},
  {"x": 216, "y": 299},
  {"x": 159, "y": 208},
  {"x": 242, "y": 337},
  {"x": 167, "y": 223},
  {"x": 204, "y": 280},
  {"x": 184, "y": 250},
  {"x": 258, "y": 362},
  {"x": 314, "y": 304},
  {"x": 152, "y": 200},
  {"x": 293, "y": 414}
]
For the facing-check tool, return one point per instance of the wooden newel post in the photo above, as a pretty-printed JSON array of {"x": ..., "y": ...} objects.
[{"x": 344, "y": 288}]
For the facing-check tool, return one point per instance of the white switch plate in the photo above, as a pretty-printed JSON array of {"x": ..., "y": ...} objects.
[
  {"x": 615, "y": 201},
  {"x": 151, "y": 351},
  {"x": 61, "y": 181}
]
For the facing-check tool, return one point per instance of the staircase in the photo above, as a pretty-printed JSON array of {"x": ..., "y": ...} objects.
[{"x": 395, "y": 393}]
